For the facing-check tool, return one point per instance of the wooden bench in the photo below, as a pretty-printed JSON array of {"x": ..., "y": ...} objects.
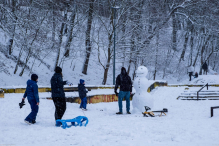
[{"x": 212, "y": 110}]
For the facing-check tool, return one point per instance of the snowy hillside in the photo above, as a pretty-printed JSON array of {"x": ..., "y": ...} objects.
[{"x": 202, "y": 79}]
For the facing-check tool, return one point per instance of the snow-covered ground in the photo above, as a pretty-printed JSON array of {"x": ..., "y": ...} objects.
[
  {"x": 186, "y": 123},
  {"x": 201, "y": 80}
]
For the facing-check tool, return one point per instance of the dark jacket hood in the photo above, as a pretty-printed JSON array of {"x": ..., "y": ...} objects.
[
  {"x": 57, "y": 74},
  {"x": 58, "y": 69},
  {"x": 81, "y": 81},
  {"x": 123, "y": 71},
  {"x": 31, "y": 82}
]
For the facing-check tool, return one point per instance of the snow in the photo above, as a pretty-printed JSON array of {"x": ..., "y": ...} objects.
[
  {"x": 186, "y": 123},
  {"x": 202, "y": 80}
]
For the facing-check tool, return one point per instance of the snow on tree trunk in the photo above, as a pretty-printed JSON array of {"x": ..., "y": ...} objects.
[{"x": 88, "y": 41}]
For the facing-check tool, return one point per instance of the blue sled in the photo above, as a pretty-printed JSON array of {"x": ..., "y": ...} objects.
[{"x": 74, "y": 122}]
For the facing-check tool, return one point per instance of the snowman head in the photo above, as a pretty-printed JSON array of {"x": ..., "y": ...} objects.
[{"x": 142, "y": 71}]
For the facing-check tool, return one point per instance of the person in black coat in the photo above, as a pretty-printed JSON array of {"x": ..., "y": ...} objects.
[
  {"x": 124, "y": 81},
  {"x": 58, "y": 95},
  {"x": 82, "y": 94},
  {"x": 205, "y": 68}
]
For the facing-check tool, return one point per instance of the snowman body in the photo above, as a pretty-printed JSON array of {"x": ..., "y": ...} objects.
[{"x": 142, "y": 98}]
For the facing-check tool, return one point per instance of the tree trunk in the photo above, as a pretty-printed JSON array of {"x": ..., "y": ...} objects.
[
  {"x": 133, "y": 76},
  {"x": 157, "y": 47},
  {"x": 174, "y": 32},
  {"x": 192, "y": 44},
  {"x": 53, "y": 27},
  {"x": 18, "y": 60},
  {"x": 88, "y": 41},
  {"x": 184, "y": 47},
  {"x": 59, "y": 44},
  {"x": 108, "y": 60},
  {"x": 14, "y": 17},
  {"x": 129, "y": 67},
  {"x": 197, "y": 54},
  {"x": 27, "y": 59},
  {"x": 70, "y": 31},
  {"x": 202, "y": 53}
]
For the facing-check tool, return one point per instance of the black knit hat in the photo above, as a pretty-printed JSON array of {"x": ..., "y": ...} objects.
[
  {"x": 58, "y": 69},
  {"x": 123, "y": 70},
  {"x": 34, "y": 77}
]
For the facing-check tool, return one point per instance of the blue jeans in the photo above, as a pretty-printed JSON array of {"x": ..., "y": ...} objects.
[
  {"x": 83, "y": 102},
  {"x": 34, "y": 110},
  {"x": 123, "y": 94}
]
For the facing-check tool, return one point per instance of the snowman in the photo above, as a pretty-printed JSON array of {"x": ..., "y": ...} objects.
[{"x": 141, "y": 98}]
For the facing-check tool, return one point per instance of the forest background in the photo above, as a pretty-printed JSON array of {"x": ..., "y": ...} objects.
[{"x": 166, "y": 36}]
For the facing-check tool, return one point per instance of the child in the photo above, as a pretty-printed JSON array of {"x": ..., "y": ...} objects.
[
  {"x": 196, "y": 75},
  {"x": 33, "y": 98},
  {"x": 82, "y": 94}
]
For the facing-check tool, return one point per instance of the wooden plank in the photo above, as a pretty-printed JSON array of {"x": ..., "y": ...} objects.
[
  {"x": 199, "y": 96},
  {"x": 71, "y": 89},
  {"x": 200, "y": 93},
  {"x": 94, "y": 99}
]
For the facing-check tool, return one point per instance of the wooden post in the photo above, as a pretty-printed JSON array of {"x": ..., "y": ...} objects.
[
  {"x": 1, "y": 93},
  {"x": 212, "y": 111},
  {"x": 212, "y": 108}
]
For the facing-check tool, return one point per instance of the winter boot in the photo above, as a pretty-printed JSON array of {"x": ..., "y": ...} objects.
[
  {"x": 27, "y": 122},
  {"x": 128, "y": 113},
  {"x": 58, "y": 125},
  {"x": 119, "y": 113}
]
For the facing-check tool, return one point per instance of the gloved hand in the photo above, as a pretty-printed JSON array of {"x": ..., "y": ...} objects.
[
  {"x": 116, "y": 93},
  {"x": 69, "y": 83},
  {"x": 22, "y": 103}
]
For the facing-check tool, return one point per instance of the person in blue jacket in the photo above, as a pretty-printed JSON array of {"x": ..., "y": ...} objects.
[
  {"x": 82, "y": 94},
  {"x": 33, "y": 98}
]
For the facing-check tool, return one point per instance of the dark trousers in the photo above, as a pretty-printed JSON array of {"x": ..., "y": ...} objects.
[
  {"x": 83, "y": 103},
  {"x": 60, "y": 105},
  {"x": 190, "y": 75},
  {"x": 34, "y": 110}
]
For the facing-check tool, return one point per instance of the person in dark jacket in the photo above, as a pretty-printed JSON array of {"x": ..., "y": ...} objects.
[
  {"x": 124, "y": 81},
  {"x": 190, "y": 71},
  {"x": 190, "y": 75},
  {"x": 82, "y": 94},
  {"x": 58, "y": 95},
  {"x": 33, "y": 98},
  {"x": 205, "y": 68},
  {"x": 196, "y": 75}
]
